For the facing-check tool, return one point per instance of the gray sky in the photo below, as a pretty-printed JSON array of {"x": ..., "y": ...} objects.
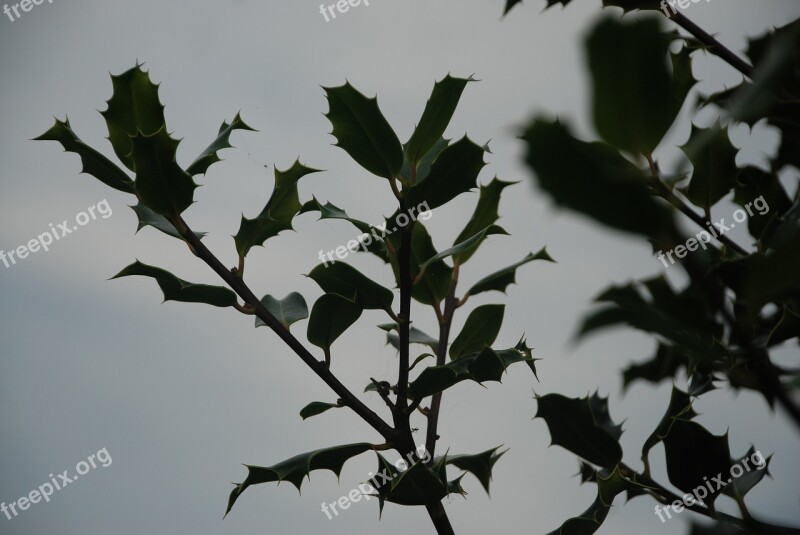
[{"x": 181, "y": 395}]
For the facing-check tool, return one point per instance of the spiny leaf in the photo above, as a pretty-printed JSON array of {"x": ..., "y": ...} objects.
[
  {"x": 454, "y": 172},
  {"x": 424, "y": 164},
  {"x": 574, "y": 427},
  {"x": 438, "y": 112},
  {"x": 465, "y": 248},
  {"x": 297, "y": 468},
  {"x": 500, "y": 280},
  {"x": 594, "y": 179},
  {"x": 316, "y": 407},
  {"x": 209, "y": 156},
  {"x": 148, "y": 218},
  {"x": 752, "y": 472},
  {"x": 485, "y": 214},
  {"x": 288, "y": 310},
  {"x": 93, "y": 162},
  {"x": 486, "y": 365},
  {"x": 663, "y": 365},
  {"x": 694, "y": 456},
  {"x": 714, "y": 160},
  {"x": 480, "y": 465},
  {"x": 418, "y": 485},
  {"x": 161, "y": 184},
  {"x": 345, "y": 280},
  {"x": 587, "y": 523},
  {"x": 331, "y": 316},
  {"x": 479, "y": 331},
  {"x": 176, "y": 289},
  {"x": 133, "y": 110},
  {"x": 436, "y": 280},
  {"x": 415, "y": 336},
  {"x": 278, "y": 213},
  {"x": 362, "y": 131}
]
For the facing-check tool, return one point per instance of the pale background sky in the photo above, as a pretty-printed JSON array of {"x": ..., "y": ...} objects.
[{"x": 181, "y": 394}]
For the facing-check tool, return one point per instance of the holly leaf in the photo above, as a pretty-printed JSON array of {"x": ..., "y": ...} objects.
[
  {"x": 500, "y": 280},
  {"x": 694, "y": 456},
  {"x": 160, "y": 184},
  {"x": 176, "y": 289},
  {"x": 134, "y": 110},
  {"x": 575, "y": 427},
  {"x": 454, "y": 172},
  {"x": 93, "y": 162},
  {"x": 631, "y": 109},
  {"x": 485, "y": 214},
  {"x": 415, "y": 336},
  {"x": 288, "y": 310},
  {"x": 680, "y": 407},
  {"x": 148, "y": 218},
  {"x": 209, "y": 156},
  {"x": 297, "y": 468},
  {"x": 277, "y": 215},
  {"x": 464, "y": 249},
  {"x": 362, "y": 131},
  {"x": 714, "y": 160},
  {"x": 316, "y": 407},
  {"x": 480, "y": 465},
  {"x": 593, "y": 179},
  {"x": 345, "y": 280},
  {"x": 331, "y": 316},
  {"x": 438, "y": 112},
  {"x": 479, "y": 331},
  {"x": 751, "y": 475},
  {"x": 483, "y": 366}
]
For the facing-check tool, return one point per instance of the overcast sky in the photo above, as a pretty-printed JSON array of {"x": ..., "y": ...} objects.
[{"x": 181, "y": 395}]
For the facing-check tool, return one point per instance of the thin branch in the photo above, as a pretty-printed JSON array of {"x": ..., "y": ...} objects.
[
  {"x": 318, "y": 367},
  {"x": 714, "y": 46},
  {"x": 664, "y": 192}
]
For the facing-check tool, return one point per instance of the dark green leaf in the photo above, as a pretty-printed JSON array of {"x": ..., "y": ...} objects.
[
  {"x": 209, "y": 156},
  {"x": 595, "y": 180},
  {"x": 148, "y": 218},
  {"x": 288, "y": 310},
  {"x": 485, "y": 214},
  {"x": 316, "y": 407},
  {"x": 161, "y": 184},
  {"x": 418, "y": 485},
  {"x": 278, "y": 213},
  {"x": 499, "y": 280},
  {"x": 345, "y": 280},
  {"x": 631, "y": 108},
  {"x": 362, "y": 131},
  {"x": 93, "y": 162},
  {"x": 438, "y": 112},
  {"x": 487, "y": 365},
  {"x": 176, "y": 289},
  {"x": 454, "y": 172},
  {"x": 297, "y": 468},
  {"x": 587, "y": 523},
  {"x": 134, "y": 110},
  {"x": 663, "y": 365},
  {"x": 331, "y": 316},
  {"x": 753, "y": 469},
  {"x": 480, "y": 465},
  {"x": 463, "y": 250},
  {"x": 424, "y": 165},
  {"x": 680, "y": 407},
  {"x": 574, "y": 427},
  {"x": 714, "y": 160},
  {"x": 695, "y": 456},
  {"x": 479, "y": 331}
]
